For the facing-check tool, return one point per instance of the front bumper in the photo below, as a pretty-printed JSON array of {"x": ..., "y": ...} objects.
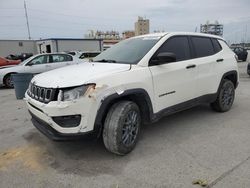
[
  {"x": 51, "y": 133},
  {"x": 1, "y": 80},
  {"x": 53, "y": 115}
]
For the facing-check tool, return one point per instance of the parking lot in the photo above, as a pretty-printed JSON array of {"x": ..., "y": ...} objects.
[{"x": 194, "y": 144}]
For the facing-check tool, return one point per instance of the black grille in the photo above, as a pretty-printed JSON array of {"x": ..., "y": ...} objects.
[{"x": 44, "y": 95}]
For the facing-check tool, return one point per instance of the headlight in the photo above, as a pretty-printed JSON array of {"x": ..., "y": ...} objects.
[{"x": 75, "y": 93}]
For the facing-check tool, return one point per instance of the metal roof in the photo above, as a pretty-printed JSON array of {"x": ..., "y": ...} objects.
[{"x": 69, "y": 39}]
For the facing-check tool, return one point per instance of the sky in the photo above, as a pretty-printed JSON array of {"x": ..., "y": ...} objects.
[{"x": 75, "y": 18}]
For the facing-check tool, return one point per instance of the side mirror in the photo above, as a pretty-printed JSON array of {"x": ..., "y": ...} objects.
[{"x": 164, "y": 57}]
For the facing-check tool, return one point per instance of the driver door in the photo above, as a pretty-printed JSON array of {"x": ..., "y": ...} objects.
[{"x": 174, "y": 82}]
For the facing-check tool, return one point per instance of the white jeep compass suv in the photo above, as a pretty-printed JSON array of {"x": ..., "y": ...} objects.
[{"x": 137, "y": 81}]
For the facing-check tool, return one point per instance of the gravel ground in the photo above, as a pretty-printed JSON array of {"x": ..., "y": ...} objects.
[{"x": 190, "y": 145}]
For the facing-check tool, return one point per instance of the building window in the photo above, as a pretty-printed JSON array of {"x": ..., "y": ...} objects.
[{"x": 20, "y": 44}]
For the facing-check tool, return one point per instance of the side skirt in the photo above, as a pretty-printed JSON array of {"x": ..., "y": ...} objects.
[{"x": 184, "y": 106}]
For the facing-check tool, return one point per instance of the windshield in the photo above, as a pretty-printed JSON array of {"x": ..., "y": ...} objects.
[
  {"x": 26, "y": 60},
  {"x": 129, "y": 51}
]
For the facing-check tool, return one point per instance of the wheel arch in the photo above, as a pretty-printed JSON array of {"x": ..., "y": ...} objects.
[
  {"x": 139, "y": 96},
  {"x": 232, "y": 76},
  {"x": 9, "y": 73}
]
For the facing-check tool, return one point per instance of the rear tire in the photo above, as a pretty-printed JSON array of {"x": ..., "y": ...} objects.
[
  {"x": 225, "y": 97},
  {"x": 122, "y": 127},
  {"x": 8, "y": 82}
]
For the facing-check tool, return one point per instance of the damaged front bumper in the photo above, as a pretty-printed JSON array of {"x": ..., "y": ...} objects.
[
  {"x": 63, "y": 120},
  {"x": 51, "y": 133}
]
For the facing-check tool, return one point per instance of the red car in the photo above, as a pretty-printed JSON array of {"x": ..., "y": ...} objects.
[{"x": 6, "y": 62}]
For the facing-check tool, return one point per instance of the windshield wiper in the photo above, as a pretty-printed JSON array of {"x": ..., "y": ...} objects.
[{"x": 106, "y": 61}]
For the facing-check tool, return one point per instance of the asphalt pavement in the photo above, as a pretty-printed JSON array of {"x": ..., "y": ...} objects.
[{"x": 196, "y": 144}]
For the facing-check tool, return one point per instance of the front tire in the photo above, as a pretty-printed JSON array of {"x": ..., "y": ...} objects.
[
  {"x": 122, "y": 127},
  {"x": 225, "y": 97},
  {"x": 8, "y": 82}
]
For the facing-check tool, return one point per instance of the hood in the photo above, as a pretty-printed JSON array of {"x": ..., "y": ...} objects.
[
  {"x": 78, "y": 74},
  {"x": 7, "y": 66}
]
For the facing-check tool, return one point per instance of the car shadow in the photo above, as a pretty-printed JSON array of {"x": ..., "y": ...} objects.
[
  {"x": 85, "y": 157},
  {"x": 4, "y": 88}
]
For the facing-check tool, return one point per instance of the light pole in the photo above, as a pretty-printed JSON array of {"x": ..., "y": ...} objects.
[{"x": 27, "y": 20}]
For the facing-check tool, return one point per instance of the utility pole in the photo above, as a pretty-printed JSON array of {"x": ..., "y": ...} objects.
[{"x": 27, "y": 20}]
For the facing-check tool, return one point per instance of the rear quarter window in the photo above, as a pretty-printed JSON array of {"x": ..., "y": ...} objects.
[
  {"x": 217, "y": 46},
  {"x": 203, "y": 46},
  {"x": 68, "y": 58}
]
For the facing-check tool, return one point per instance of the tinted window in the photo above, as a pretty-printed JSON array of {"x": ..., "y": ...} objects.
[
  {"x": 68, "y": 58},
  {"x": 241, "y": 49},
  {"x": 236, "y": 50},
  {"x": 217, "y": 46},
  {"x": 177, "y": 45},
  {"x": 203, "y": 46}
]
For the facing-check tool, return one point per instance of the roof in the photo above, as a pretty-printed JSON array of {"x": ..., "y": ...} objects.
[
  {"x": 18, "y": 40},
  {"x": 181, "y": 33},
  {"x": 70, "y": 39}
]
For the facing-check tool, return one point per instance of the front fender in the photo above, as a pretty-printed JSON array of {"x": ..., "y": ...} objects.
[{"x": 138, "y": 95}]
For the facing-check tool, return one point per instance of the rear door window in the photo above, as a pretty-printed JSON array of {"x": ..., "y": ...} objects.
[
  {"x": 203, "y": 46},
  {"x": 60, "y": 58}
]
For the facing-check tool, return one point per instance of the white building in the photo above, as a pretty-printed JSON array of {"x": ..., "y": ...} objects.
[
  {"x": 141, "y": 26},
  {"x": 68, "y": 44},
  {"x": 8, "y": 47},
  {"x": 51, "y": 45}
]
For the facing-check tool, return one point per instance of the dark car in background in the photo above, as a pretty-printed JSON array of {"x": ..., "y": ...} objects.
[
  {"x": 241, "y": 53},
  {"x": 89, "y": 55},
  {"x": 248, "y": 69},
  {"x": 21, "y": 56}
]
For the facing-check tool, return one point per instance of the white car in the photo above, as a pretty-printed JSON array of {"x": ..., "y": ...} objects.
[
  {"x": 74, "y": 53},
  {"x": 37, "y": 64},
  {"x": 136, "y": 81}
]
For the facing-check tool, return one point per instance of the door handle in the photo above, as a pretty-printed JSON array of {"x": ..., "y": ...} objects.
[
  {"x": 190, "y": 66},
  {"x": 219, "y": 60}
]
